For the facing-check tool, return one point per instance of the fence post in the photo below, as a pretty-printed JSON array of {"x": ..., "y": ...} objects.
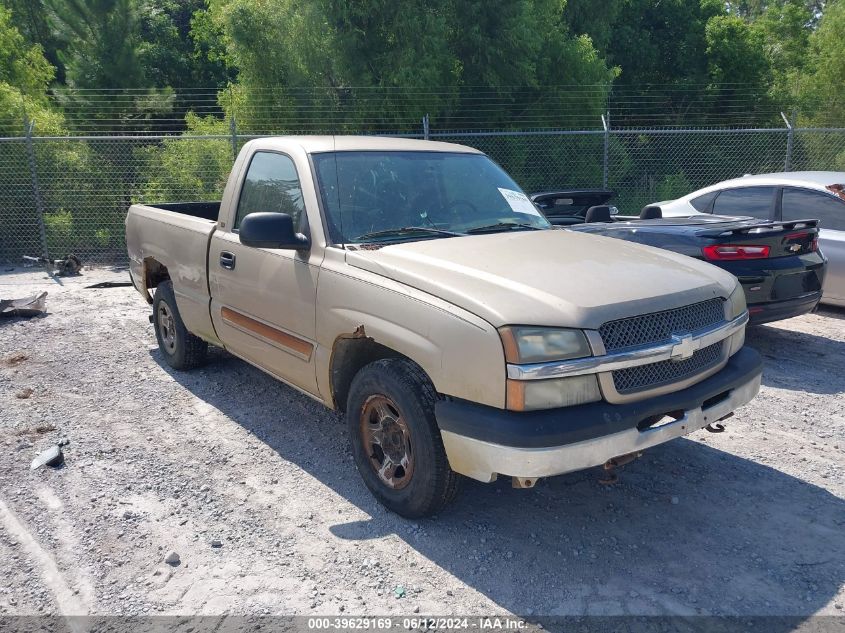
[
  {"x": 233, "y": 130},
  {"x": 790, "y": 139},
  {"x": 425, "y": 126},
  {"x": 36, "y": 189},
  {"x": 605, "y": 121}
]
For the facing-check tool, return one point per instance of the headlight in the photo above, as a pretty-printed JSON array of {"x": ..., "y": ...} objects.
[
  {"x": 530, "y": 395},
  {"x": 736, "y": 302},
  {"x": 525, "y": 344}
]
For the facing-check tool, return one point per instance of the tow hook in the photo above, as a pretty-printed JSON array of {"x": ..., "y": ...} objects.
[
  {"x": 610, "y": 476},
  {"x": 715, "y": 427},
  {"x": 523, "y": 482}
]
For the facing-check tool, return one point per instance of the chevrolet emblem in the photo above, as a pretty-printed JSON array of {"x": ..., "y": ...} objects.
[{"x": 685, "y": 346}]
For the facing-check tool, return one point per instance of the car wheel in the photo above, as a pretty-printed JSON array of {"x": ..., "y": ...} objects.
[
  {"x": 180, "y": 348},
  {"x": 395, "y": 439}
]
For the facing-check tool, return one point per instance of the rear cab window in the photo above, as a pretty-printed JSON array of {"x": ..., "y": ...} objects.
[
  {"x": 805, "y": 204},
  {"x": 756, "y": 202}
]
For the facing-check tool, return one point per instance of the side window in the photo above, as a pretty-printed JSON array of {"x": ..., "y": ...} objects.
[
  {"x": 802, "y": 204},
  {"x": 702, "y": 203},
  {"x": 271, "y": 184},
  {"x": 751, "y": 201}
]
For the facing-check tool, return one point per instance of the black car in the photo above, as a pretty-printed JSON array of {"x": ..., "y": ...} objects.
[{"x": 777, "y": 263}]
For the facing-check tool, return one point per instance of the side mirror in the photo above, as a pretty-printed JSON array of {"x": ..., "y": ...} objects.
[{"x": 271, "y": 230}]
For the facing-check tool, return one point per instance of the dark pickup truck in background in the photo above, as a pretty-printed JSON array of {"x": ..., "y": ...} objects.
[{"x": 778, "y": 263}]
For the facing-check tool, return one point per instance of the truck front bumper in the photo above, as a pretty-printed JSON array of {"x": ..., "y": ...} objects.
[{"x": 482, "y": 442}]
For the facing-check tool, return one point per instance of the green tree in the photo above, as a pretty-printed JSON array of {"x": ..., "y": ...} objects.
[
  {"x": 167, "y": 51},
  {"x": 185, "y": 168},
  {"x": 384, "y": 63},
  {"x": 100, "y": 42},
  {"x": 785, "y": 30},
  {"x": 102, "y": 49},
  {"x": 736, "y": 56},
  {"x": 22, "y": 65},
  {"x": 598, "y": 20},
  {"x": 821, "y": 90},
  {"x": 30, "y": 18}
]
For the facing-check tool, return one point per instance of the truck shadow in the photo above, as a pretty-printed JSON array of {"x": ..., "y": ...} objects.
[
  {"x": 799, "y": 361},
  {"x": 688, "y": 529}
]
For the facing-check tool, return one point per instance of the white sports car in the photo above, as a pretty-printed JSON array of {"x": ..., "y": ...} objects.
[{"x": 785, "y": 196}]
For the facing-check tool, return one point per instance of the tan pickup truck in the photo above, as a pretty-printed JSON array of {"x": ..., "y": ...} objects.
[{"x": 414, "y": 287}]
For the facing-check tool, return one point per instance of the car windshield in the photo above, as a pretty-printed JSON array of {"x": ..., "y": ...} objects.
[{"x": 380, "y": 196}]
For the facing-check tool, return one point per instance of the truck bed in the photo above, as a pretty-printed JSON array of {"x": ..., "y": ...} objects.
[
  {"x": 204, "y": 210},
  {"x": 176, "y": 236}
]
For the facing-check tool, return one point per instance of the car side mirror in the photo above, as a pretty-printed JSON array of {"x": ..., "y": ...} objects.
[{"x": 271, "y": 230}]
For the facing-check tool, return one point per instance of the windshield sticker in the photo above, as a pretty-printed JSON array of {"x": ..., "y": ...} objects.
[{"x": 518, "y": 201}]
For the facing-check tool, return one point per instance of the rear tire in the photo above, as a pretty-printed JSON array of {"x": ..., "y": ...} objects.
[
  {"x": 395, "y": 439},
  {"x": 181, "y": 349}
]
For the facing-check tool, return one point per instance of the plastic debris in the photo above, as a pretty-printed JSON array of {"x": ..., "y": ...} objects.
[{"x": 53, "y": 456}]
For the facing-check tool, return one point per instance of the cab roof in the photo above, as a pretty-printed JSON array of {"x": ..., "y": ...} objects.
[{"x": 342, "y": 143}]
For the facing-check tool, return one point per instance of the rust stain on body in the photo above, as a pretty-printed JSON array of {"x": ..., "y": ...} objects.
[{"x": 283, "y": 339}]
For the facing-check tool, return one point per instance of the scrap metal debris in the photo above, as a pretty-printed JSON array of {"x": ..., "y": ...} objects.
[
  {"x": 109, "y": 284},
  {"x": 26, "y": 307},
  {"x": 67, "y": 267},
  {"x": 53, "y": 456}
]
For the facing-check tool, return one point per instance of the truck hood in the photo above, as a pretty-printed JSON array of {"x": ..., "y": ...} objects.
[{"x": 549, "y": 277}]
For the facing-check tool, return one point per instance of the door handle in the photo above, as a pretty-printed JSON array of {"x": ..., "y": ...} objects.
[{"x": 227, "y": 260}]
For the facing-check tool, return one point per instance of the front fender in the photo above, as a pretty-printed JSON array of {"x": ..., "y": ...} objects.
[{"x": 461, "y": 353}]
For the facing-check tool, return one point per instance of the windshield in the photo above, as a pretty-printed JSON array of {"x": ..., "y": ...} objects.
[{"x": 374, "y": 196}]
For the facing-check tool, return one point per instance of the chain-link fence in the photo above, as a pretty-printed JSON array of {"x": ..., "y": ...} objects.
[{"x": 62, "y": 195}]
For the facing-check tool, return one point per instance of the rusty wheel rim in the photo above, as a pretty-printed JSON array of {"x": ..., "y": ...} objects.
[
  {"x": 387, "y": 442},
  {"x": 166, "y": 327}
]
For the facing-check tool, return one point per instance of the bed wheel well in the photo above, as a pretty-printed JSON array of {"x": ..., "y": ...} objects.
[{"x": 154, "y": 273}]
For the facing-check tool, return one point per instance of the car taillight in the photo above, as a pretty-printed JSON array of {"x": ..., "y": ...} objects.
[{"x": 724, "y": 252}]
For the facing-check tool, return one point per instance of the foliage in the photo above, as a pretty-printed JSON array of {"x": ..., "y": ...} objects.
[
  {"x": 378, "y": 65},
  {"x": 22, "y": 65},
  {"x": 185, "y": 168},
  {"x": 324, "y": 55},
  {"x": 822, "y": 88}
]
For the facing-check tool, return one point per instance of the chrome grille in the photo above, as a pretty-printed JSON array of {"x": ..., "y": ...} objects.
[
  {"x": 666, "y": 371},
  {"x": 658, "y": 327}
]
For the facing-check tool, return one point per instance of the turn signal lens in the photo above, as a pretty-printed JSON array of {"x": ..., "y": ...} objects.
[
  {"x": 726, "y": 252},
  {"x": 531, "y": 395}
]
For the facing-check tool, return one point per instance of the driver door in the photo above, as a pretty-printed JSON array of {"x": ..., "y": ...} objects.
[{"x": 263, "y": 300}]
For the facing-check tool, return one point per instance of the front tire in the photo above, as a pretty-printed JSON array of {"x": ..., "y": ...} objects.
[
  {"x": 395, "y": 439},
  {"x": 181, "y": 349}
]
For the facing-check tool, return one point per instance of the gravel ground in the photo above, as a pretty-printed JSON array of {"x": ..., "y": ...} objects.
[{"x": 252, "y": 485}]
